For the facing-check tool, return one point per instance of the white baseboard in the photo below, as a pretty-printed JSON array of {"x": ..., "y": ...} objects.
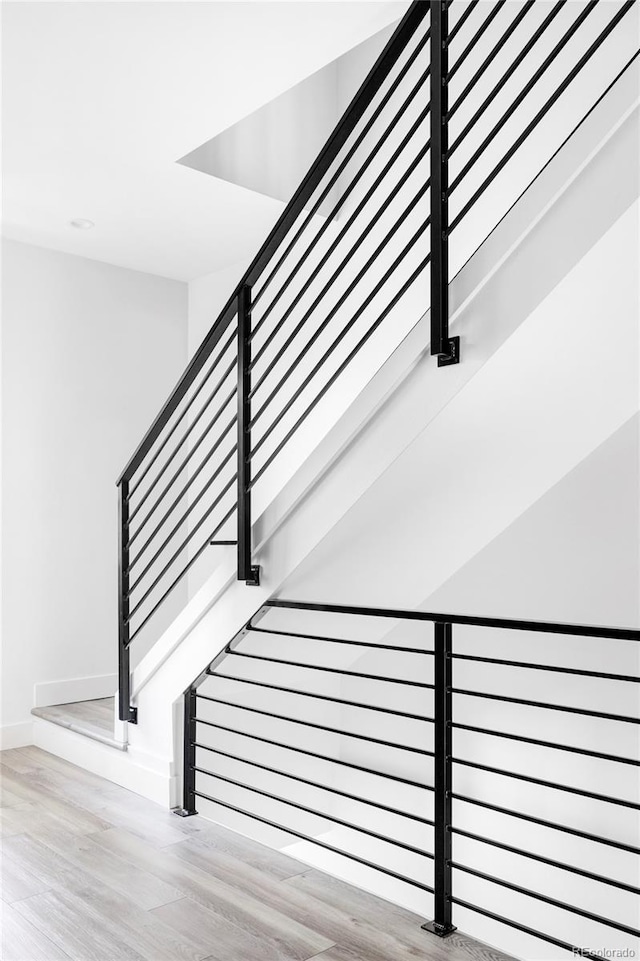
[
  {"x": 151, "y": 777},
  {"x": 16, "y": 735},
  {"x": 74, "y": 689}
]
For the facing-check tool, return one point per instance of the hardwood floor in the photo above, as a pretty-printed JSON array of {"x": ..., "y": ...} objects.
[{"x": 92, "y": 872}]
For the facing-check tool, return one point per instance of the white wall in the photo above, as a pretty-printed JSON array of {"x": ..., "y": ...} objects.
[
  {"x": 208, "y": 295},
  {"x": 544, "y": 401},
  {"x": 90, "y": 351}
]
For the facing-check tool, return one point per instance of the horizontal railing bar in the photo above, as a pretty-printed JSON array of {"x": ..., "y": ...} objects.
[
  {"x": 222, "y": 543},
  {"x": 184, "y": 517},
  {"x": 330, "y": 670},
  {"x": 464, "y": 16},
  {"x": 345, "y": 126},
  {"x": 417, "y": 124},
  {"x": 317, "y": 784},
  {"x": 515, "y": 23},
  {"x": 504, "y": 623},
  {"x": 193, "y": 477},
  {"x": 184, "y": 570},
  {"x": 388, "y": 236},
  {"x": 314, "y": 840},
  {"x": 322, "y": 697},
  {"x": 319, "y": 814},
  {"x": 361, "y": 273},
  {"x": 550, "y": 744},
  {"x": 191, "y": 400},
  {"x": 180, "y": 549},
  {"x": 553, "y": 785},
  {"x": 528, "y": 87},
  {"x": 486, "y": 23},
  {"x": 582, "y": 711},
  {"x": 561, "y": 865},
  {"x": 513, "y": 66},
  {"x": 541, "y": 822},
  {"x": 546, "y": 667},
  {"x": 343, "y": 333},
  {"x": 559, "y": 90},
  {"x": 577, "y": 126},
  {"x": 345, "y": 161},
  {"x": 306, "y": 751},
  {"x": 345, "y": 363},
  {"x": 330, "y": 730},
  {"x": 339, "y": 640},
  {"x": 536, "y": 895},
  {"x": 230, "y": 368},
  {"x": 576, "y": 952},
  {"x": 346, "y": 193},
  {"x": 218, "y": 414}
]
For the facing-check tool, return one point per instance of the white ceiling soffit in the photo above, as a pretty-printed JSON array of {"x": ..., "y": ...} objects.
[
  {"x": 100, "y": 100},
  {"x": 271, "y": 150}
]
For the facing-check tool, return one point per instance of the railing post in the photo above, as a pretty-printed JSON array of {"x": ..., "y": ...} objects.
[
  {"x": 189, "y": 756},
  {"x": 125, "y": 711},
  {"x": 441, "y": 924},
  {"x": 246, "y": 572},
  {"x": 446, "y": 348}
]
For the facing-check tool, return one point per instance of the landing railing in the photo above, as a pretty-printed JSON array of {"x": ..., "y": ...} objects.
[
  {"x": 477, "y": 734},
  {"x": 345, "y": 273}
]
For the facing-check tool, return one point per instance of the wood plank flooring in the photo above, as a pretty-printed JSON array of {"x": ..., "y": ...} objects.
[
  {"x": 92, "y": 872},
  {"x": 94, "y": 719}
]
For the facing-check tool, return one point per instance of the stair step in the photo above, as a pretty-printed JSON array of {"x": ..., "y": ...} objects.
[{"x": 93, "y": 719}]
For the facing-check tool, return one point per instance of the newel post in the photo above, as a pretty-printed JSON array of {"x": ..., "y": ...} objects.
[
  {"x": 441, "y": 924},
  {"x": 246, "y": 572},
  {"x": 125, "y": 711},
  {"x": 447, "y": 349}
]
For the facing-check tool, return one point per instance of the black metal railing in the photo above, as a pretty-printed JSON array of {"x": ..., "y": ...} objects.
[
  {"x": 328, "y": 287},
  {"x": 234, "y": 763}
]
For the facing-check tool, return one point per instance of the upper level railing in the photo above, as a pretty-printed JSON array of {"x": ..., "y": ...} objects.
[
  {"x": 438, "y": 740},
  {"x": 346, "y": 272}
]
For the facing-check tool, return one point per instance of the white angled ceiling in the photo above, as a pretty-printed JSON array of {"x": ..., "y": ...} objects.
[{"x": 100, "y": 100}]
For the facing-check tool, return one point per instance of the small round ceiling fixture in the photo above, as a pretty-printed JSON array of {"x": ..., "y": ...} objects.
[{"x": 81, "y": 224}]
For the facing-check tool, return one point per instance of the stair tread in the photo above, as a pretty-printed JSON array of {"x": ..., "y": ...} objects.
[{"x": 93, "y": 719}]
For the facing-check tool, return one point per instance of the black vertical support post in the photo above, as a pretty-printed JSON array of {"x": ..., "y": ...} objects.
[
  {"x": 246, "y": 572},
  {"x": 446, "y": 348},
  {"x": 189, "y": 756},
  {"x": 125, "y": 711},
  {"x": 441, "y": 924}
]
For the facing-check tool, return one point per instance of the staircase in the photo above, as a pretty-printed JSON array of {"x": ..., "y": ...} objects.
[
  {"x": 328, "y": 299},
  {"x": 465, "y": 161}
]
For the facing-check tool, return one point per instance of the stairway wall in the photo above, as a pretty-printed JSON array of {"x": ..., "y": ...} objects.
[
  {"x": 77, "y": 392},
  {"x": 543, "y": 402}
]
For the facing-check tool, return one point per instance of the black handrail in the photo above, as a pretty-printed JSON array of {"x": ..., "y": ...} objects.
[
  {"x": 503, "y": 623},
  {"x": 205, "y": 775}
]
